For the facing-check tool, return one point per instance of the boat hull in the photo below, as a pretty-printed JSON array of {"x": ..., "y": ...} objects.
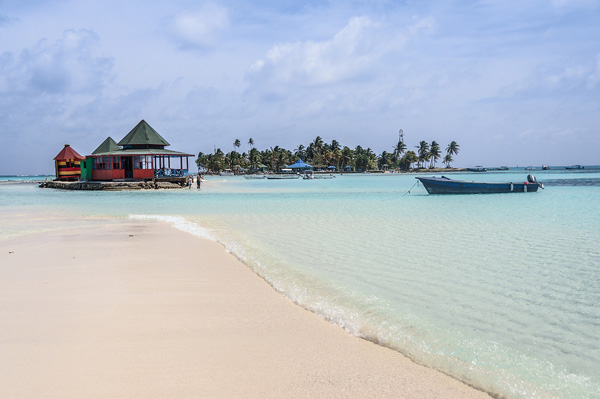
[
  {"x": 435, "y": 185},
  {"x": 282, "y": 177}
]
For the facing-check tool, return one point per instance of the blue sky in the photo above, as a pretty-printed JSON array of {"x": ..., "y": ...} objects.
[{"x": 513, "y": 82}]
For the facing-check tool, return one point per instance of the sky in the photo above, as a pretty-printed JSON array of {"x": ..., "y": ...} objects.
[{"x": 513, "y": 82}]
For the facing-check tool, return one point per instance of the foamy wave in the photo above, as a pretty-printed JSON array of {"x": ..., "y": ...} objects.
[{"x": 180, "y": 223}]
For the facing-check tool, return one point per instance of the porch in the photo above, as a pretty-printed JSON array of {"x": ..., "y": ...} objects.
[{"x": 140, "y": 167}]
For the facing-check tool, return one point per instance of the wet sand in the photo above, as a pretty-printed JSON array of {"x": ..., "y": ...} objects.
[{"x": 138, "y": 309}]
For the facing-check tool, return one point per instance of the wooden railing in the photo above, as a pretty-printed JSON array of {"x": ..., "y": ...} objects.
[{"x": 167, "y": 172}]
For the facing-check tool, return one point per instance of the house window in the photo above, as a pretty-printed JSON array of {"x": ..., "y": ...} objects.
[
  {"x": 102, "y": 163},
  {"x": 142, "y": 162}
]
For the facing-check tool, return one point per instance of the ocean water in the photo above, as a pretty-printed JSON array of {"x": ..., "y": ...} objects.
[{"x": 500, "y": 291}]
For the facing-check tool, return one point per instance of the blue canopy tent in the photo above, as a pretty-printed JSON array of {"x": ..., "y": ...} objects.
[
  {"x": 331, "y": 168},
  {"x": 300, "y": 165}
]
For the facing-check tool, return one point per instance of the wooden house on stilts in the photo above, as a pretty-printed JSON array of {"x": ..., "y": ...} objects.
[{"x": 140, "y": 155}]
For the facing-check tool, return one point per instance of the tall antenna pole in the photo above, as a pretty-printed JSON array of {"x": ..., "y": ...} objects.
[{"x": 401, "y": 136}]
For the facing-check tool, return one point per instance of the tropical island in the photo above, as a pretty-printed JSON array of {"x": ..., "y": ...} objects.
[
  {"x": 141, "y": 161},
  {"x": 328, "y": 156}
]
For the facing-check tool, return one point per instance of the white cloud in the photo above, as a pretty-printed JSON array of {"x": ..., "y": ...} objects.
[
  {"x": 580, "y": 76},
  {"x": 348, "y": 54},
  {"x": 200, "y": 27},
  {"x": 65, "y": 66}
]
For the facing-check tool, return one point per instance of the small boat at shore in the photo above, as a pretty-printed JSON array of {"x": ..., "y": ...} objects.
[
  {"x": 313, "y": 176},
  {"x": 282, "y": 177},
  {"x": 254, "y": 177},
  {"x": 478, "y": 169},
  {"x": 444, "y": 185}
]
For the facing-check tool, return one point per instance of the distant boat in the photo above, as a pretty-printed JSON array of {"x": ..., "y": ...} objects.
[
  {"x": 530, "y": 168},
  {"x": 254, "y": 177},
  {"x": 312, "y": 176},
  {"x": 444, "y": 185},
  {"x": 282, "y": 177},
  {"x": 503, "y": 168},
  {"x": 575, "y": 167},
  {"x": 545, "y": 167},
  {"x": 226, "y": 172},
  {"x": 477, "y": 169}
]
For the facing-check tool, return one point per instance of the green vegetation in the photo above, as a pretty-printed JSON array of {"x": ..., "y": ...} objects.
[{"x": 322, "y": 155}]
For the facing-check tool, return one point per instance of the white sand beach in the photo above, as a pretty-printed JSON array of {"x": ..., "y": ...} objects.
[{"x": 138, "y": 309}]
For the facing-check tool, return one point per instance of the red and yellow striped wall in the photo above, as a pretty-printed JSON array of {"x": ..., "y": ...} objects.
[{"x": 68, "y": 169}]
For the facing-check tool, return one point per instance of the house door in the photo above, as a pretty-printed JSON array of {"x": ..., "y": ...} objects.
[{"x": 127, "y": 166}]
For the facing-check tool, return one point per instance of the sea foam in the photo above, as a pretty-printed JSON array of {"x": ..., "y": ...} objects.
[{"x": 180, "y": 223}]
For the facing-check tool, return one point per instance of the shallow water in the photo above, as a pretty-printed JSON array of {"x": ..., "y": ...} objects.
[{"x": 498, "y": 290}]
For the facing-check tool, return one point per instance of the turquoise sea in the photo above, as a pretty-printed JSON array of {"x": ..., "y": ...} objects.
[{"x": 501, "y": 291}]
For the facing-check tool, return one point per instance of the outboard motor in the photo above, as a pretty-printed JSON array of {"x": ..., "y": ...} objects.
[{"x": 531, "y": 179}]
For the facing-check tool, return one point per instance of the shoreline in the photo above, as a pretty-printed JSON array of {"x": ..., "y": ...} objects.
[{"x": 140, "y": 309}]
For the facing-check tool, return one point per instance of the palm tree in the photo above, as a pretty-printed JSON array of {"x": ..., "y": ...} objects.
[
  {"x": 385, "y": 159},
  {"x": 254, "y": 158},
  {"x": 409, "y": 158},
  {"x": 397, "y": 153},
  {"x": 311, "y": 153},
  {"x": 265, "y": 156},
  {"x": 251, "y": 142},
  {"x": 318, "y": 148},
  {"x": 318, "y": 142},
  {"x": 236, "y": 144},
  {"x": 434, "y": 153},
  {"x": 216, "y": 161},
  {"x": 299, "y": 152},
  {"x": 423, "y": 151},
  {"x": 371, "y": 159},
  {"x": 448, "y": 159},
  {"x": 346, "y": 158},
  {"x": 336, "y": 157},
  {"x": 453, "y": 148},
  {"x": 279, "y": 157},
  {"x": 399, "y": 149}
]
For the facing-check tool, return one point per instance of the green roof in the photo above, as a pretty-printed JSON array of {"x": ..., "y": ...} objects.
[
  {"x": 143, "y": 134},
  {"x": 142, "y": 151},
  {"x": 107, "y": 145}
]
